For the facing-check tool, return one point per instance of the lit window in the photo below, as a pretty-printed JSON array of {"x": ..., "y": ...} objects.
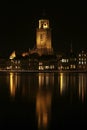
[
  {"x": 79, "y": 62},
  {"x": 79, "y": 54}
]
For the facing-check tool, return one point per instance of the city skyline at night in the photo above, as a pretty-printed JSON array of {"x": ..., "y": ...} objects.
[{"x": 19, "y": 22}]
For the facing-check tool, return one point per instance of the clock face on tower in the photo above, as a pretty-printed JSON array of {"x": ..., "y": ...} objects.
[
  {"x": 43, "y": 37},
  {"x": 44, "y": 24}
]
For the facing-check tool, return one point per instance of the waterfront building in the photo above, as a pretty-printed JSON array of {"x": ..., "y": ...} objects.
[
  {"x": 43, "y": 57},
  {"x": 68, "y": 60},
  {"x": 82, "y": 60}
]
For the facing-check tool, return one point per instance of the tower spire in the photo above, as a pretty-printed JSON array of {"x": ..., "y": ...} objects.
[{"x": 44, "y": 13}]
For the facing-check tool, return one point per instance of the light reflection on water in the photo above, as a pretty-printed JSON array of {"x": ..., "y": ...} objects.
[
  {"x": 43, "y": 99},
  {"x": 43, "y": 108},
  {"x": 63, "y": 81},
  {"x": 13, "y": 84},
  {"x": 41, "y": 88},
  {"x": 82, "y": 86}
]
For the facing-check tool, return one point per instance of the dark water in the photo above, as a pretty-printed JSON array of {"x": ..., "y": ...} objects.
[{"x": 43, "y": 101}]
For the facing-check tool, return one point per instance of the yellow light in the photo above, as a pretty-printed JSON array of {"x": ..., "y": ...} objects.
[
  {"x": 43, "y": 105},
  {"x": 13, "y": 55},
  {"x": 12, "y": 85}
]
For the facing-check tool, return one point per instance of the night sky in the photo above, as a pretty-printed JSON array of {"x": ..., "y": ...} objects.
[{"x": 18, "y": 24}]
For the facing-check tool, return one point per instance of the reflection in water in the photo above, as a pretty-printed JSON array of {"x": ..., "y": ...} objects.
[
  {"x": 22, "y": 85},
  {"x": 74, "y": 83},
  {"x": 46, "y": 79},
  {"x": 39, "y": 88},
  {"x": 41, "y": 79},
  {"x": 43, "y": 106},
  {"x": 63, "y": 81},
  {"x": 82, "y": 85},
  {"x": 43, "y": 100},
  {"x": 13, "y": 84}
]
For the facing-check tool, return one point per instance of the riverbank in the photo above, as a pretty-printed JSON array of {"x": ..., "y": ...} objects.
[{"x": 44, "y": 71}]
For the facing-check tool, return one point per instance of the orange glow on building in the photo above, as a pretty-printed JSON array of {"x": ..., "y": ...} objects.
[
  {"x": 43, "y": 37},
  {"x": 13, "y": 55},
  {"x": 25, "y": 54}
]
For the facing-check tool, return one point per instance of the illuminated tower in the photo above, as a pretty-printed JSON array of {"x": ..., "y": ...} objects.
[{"x": 43, "y": 38}]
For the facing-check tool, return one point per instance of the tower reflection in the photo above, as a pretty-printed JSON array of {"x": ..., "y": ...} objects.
[
  {"x": 43, "y": 106},
  {"x": 43, "y": 102}
]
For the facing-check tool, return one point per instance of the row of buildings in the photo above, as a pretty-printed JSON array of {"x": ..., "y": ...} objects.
[
  {"x": 59, "y": 62},
  {"x": 43, "y": 57}
]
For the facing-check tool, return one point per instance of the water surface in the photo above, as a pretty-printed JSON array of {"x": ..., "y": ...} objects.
[{"x": 43, "y": 101}]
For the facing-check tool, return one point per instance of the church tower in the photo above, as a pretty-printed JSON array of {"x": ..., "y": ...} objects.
[{"x": 43, "y": 38}]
